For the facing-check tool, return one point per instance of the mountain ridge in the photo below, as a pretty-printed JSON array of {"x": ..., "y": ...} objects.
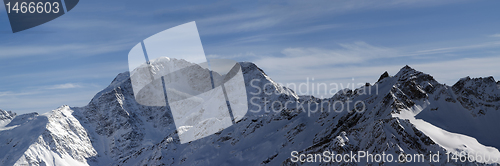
[{"x": 114, "y": 130}]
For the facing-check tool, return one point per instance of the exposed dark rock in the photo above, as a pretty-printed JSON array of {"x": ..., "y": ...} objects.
[{"x": 385, "y": 75}]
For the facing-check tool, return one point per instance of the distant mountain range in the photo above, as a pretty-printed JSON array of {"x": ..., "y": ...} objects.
[{"x": 407, "y": 113}]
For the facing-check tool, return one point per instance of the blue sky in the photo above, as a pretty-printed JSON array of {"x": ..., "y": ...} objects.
[{"x": 68, "y": 60}]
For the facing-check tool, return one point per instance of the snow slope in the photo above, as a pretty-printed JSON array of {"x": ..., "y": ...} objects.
[{"x": 54, "y": 138}]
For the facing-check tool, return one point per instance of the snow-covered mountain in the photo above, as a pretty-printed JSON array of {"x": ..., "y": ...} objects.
[{"x": 409, "y": 113}]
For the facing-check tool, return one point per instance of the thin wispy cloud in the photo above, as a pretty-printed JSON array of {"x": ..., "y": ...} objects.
[
  {"x": 353, "y": 53},
  {"x": 354, "y": 64},
  {"x": 104, "y": 70},
  {"x": 495, "y": 35},
  {"x": 60, "y": 50},
  {"x": 452, "y": 70},
  {"x": 44, "y": 102},
  {"x": 64, "y": 86},
  {"x": 45, "y": 98},
  {"x": 276, "y": 14},
  {"x": 11, "y": 94},
  {"x": 235, "y": 56},
  {"x": 458, "y": 48},
  {"x": 291, "y": 32},
  {"x": 17, "y": 51}
]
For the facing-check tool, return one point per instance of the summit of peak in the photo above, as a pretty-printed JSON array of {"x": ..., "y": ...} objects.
[
  {"x": 407, "y": 67},
  {"x": 476, "y": 82},
  {"x": 488, "y": 79},
  {"x": 407, "y": 73},
  {"x": 407, "y": 70},
  {"x": 249, "y": 66},
  {"x": 6, "y": 114},
  {"x": 384, "y": 75}
]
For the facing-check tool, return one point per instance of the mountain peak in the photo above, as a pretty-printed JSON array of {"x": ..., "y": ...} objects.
[
  {"x": 487, "y": 80},
  {"x": 6, "y": 114},
  {"x": 407, "y": 70},
  {"x": 409, "y": 74},
  {"x": 484, "y": 90},
  {"x": 249, "y": 66},
  {"x": 468, "y": 83},
  {"x": 406, "y": 67},
  {"x": 385, "y": 75}
]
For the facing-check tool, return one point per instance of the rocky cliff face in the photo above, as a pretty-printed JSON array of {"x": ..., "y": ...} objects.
[{"x": 407, "y": 113}]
